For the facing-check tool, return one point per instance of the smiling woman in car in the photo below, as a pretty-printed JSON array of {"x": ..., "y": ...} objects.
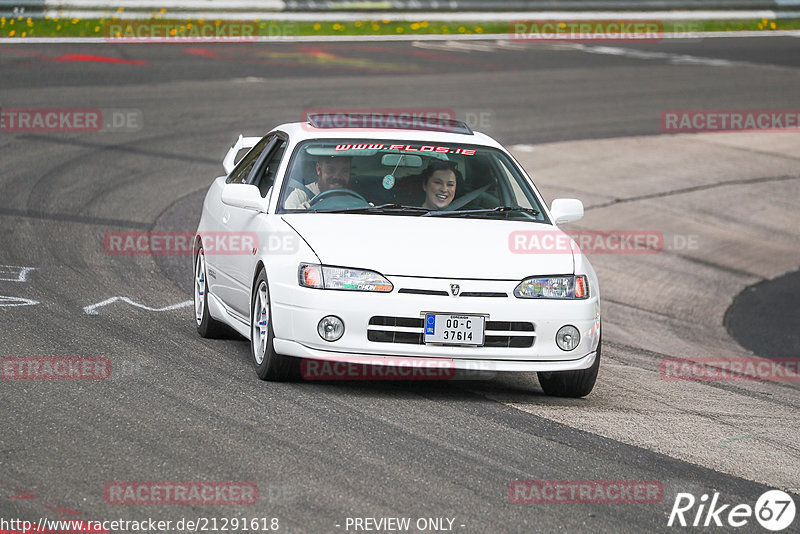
[{"x": 439, "y": 184}]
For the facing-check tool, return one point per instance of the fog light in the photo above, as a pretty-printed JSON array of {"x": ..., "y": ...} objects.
[
  {"x": 330, "y": 328},
  {"x": 568, "y": 337}
]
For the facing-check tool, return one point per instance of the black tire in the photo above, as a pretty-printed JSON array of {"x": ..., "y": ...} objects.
[
  {"x": 571, "y": 383},
  {"x": 207, "y": 326},
  {"x": 269, "y": 364}
]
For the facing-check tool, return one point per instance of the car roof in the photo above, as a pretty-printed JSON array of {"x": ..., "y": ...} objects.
[{"x": 300, "y": 131}]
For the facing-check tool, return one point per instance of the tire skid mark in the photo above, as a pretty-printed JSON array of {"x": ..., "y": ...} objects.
[{"x": 704, "y": 187}]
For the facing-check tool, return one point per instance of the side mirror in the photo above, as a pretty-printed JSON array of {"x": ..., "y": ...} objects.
[
  {"x": 566, "y": 210},
  {"x": 245, "y": 196},
  {"x": 243, "y": 143}
]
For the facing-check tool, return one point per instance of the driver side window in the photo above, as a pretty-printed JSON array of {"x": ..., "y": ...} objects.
[{"x": 267, "y": 171}]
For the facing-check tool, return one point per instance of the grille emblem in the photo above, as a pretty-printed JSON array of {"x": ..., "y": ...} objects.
[{"x": 455, "y": 289}]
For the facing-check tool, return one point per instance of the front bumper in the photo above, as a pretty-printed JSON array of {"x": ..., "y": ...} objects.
[
  {"x": 295, "y": 349},
  {"x": 296, "y": 311}
]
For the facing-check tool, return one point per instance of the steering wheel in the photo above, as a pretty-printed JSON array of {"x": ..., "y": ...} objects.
[{"x": 335, "y": 193}]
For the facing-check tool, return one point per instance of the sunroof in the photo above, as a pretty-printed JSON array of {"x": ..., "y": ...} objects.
[{"x": 388, "y": 122}]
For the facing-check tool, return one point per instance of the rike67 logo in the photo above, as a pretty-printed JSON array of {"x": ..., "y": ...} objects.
[{"x": 774, "y": 510}]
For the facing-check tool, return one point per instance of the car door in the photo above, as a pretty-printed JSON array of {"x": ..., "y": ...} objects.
[
  {"x": 222, "y": 278},
  {"x": 249, "y": 223}
]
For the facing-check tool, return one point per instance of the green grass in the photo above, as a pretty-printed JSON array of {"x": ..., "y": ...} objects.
[{"x": 30, "y": 27}]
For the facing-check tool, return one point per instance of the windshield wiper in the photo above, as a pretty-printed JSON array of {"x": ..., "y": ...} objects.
[
  {"x": 389, "y": 208},
  {"x": 483, "y": 211}
]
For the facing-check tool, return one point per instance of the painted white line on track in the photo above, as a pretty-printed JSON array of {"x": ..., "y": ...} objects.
[
  {"x": 459, "y": 45},
  {"x": 92, "y": 308},
  {"x": 522, "y": 148},
  {"x": 378, "y": 38},
  {"x": 15, "y": 273},
  {"x": 672, "y": 58},
  {"x": 6, "y": 302},
  {"x": 675, "y": 59}
]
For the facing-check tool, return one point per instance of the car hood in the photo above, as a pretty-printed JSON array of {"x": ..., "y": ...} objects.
[{"x": 429, "y": 246}]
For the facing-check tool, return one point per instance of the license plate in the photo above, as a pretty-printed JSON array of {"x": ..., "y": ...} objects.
[{"x": 449, "y": 329}]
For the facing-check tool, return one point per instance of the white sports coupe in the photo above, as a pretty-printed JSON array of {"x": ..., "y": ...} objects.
[{"x": 390, "y": 243}]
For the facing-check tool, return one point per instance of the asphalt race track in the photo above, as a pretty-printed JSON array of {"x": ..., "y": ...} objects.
[{"x": 585, "y": 119}]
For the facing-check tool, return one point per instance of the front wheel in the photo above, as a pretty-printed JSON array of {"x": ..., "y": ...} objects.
[
  {"x": 571, "y": 383},
  {"x": 269, "y": 364}
]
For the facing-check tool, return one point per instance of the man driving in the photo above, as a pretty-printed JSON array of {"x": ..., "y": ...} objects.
[{"x": 333, "y": 172}]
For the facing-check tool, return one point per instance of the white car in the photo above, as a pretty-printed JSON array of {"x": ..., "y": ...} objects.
[{"x": 392, "y": 244}]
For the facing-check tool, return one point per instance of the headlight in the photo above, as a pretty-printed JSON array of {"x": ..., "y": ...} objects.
[
  {"x": 325, "y": 277},
  {"x": 553, "y": 287}
]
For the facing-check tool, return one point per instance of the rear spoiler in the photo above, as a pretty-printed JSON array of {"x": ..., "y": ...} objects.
[{"x": 243, "y": 143}]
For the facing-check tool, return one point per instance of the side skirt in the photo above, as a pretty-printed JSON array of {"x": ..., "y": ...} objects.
[{"x": 220, "y": 312}]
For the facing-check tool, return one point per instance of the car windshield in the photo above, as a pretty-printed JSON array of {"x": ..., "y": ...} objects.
[{"x": 407, "y": 178}]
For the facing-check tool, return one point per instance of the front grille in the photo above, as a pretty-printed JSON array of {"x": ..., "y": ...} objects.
[
  {"x": 409, "y": 331},
  {"x": 423, "y": 292},
  {"x": 515, "y": 326},
  {"x": 409, "y": 322},
  {"x": 440, "y": 293},
  {"x": 385, "y": 336}
]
